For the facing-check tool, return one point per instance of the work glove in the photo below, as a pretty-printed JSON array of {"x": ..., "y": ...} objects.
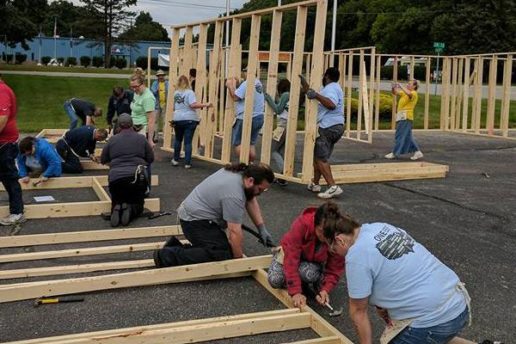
[
  {"x": 311, "y": 94},
  {"x": 266, "y": 237},
  {"x": 304, "y": 84}
]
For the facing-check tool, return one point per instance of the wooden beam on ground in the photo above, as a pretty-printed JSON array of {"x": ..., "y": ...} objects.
[
  {"x": 138, "y": 334},
  {"x": 80, "y": 252},
  {"x": 133, "y": 279},
  {"x": 89, "y": 165},
  {"x": 72, "y": 209},
  {"x": 318, "y": 324},
  {"x": 74, "y": 269},
  {"x": 100, "y": 191},
  {"x": 88, "y": 236},
  {"x": 324, "y": 340}
]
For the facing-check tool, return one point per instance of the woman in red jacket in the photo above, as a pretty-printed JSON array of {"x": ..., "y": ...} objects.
[{"x": 306, "y": 257}]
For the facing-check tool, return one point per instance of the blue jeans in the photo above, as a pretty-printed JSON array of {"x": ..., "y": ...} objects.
[
  {"x": 184, "y": 130},
  {"x": 236, "y": 137},
  {"x": 71, "y": 114},
  {"x": 440, "y": 334},
  {"x": 9, "y": 176}
]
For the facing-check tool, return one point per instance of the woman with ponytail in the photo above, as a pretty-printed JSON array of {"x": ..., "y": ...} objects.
[{"x": 305, "y": 258}]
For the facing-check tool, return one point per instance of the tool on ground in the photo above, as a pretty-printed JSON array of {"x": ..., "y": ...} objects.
[
  {"x": 52, "y": 300},
  {"x": 160, "y": 214},
  {"x": 334, "y": 313},
  {"x": 256, "y": 234}
]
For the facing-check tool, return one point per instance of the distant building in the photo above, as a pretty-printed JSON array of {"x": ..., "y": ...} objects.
[{"x": 76, "y": 47}]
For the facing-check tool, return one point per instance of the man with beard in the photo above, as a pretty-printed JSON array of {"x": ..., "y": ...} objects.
[{"x": 211, "y": 216}]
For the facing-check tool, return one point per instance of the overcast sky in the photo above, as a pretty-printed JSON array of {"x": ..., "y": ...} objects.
[{"x": 174, "y": 12}]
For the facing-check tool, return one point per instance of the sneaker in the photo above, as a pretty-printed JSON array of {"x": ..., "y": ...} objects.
[
  {"x": 313, "y": 187},
  {"x": 174, "y": 162},
  {"x": 188, "y": 166},
  {"x": 487, "y": 341},
  {"x": 125, "y": 218},
  {"x": 390, "y": 156},
  {"x": 13, "y": 219},
  {"x": 417, "y": 155},
  {"x": 331, "y": 192},
  {"x": 281, "y": 182},
  {"x": 115, "y": 216}
]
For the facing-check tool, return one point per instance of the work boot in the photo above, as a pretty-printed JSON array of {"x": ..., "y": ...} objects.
[
  {"x": 125, "y": 217},
  {"x": 157, "y": 259},
  {"x": 115, "y": 215}
]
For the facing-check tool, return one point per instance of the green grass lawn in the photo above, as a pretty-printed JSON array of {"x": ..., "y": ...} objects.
[
  {"x": 41, "y": 98},
  {"x": 76, "y": 69}
]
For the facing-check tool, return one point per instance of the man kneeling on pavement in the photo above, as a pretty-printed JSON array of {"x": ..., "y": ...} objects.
[
  {"x": 77, "y": 143},
  {"x": 217, "y": 204}
]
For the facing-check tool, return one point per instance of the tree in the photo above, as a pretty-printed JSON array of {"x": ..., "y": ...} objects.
[
  {"x": 145, "y": 29},
  {"x": 20, "y": 20},
  {"x": 113, "y": 16}
]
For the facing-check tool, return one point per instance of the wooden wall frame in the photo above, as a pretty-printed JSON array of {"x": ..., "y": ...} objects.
[{"x": 71, "y": 209}]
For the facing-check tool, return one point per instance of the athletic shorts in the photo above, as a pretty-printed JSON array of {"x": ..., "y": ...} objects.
[{"x": 326, "y": 141}]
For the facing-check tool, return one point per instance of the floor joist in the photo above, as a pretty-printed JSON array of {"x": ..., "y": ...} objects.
[
  {"x": 133, "y": 333},
  {"x": 72, "y": 182},
  {"x": 42, "y": 211},
  {"x": 24, "y": 291},
  {"x": 88, "y": 236},
  {"x": 74, "y": 269}
]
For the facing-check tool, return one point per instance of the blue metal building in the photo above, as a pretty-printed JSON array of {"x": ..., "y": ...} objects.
[{"x": 65, "y": 47}]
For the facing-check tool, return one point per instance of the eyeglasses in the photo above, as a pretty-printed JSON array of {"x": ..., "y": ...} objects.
[{"x": 134, "y": 87}]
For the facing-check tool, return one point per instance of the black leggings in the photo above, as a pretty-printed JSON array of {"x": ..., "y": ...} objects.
[{"x": 124, "y": 191}]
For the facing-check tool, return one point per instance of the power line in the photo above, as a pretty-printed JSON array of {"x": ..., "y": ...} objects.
[{"x": 184, "y": 4}]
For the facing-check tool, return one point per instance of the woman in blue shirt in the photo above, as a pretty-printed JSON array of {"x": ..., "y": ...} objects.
[{"x": 185, "y": 119}]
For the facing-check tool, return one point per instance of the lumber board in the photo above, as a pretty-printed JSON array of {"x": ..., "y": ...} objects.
[
  {"x": 361, "y": 77},
  {"x": 506, "y": 99},
  {"x": 252, "y": 64},
  {"x": 323, "y": 340},
  {"x": 133, "y": 279},
  {"x": 79, "y": 252},
  {"x": 491, "y": 96},
  {"x": 74, "y": 269},
  {"x": 72, "y": 182},
  {"x": 172, "y": 77},
  {"x": 99, "y": 190},
  {"x": 52, "y": 210},
  {"x": 297, "y": 66},
  {"x": 427, "y": 92},
  {"x": 200, "y": 95},
  {"x": 318, "y": 324},
  {"x": 315, "y": 83},
  {"x": 133, "y": 333},
  {"x": 465, "y": 95},
  {"x": 88, "y": 236},
  {"x": 349, "y": 94},
  {"x": 272, "y": 80}
]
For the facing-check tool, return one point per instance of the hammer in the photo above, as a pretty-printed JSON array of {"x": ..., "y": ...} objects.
[
  {"x": 62, "y": 299},
  {"x": 334, "y": 313}
]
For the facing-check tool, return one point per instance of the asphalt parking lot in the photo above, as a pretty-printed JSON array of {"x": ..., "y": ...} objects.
[{"x": 468, "y": 220}]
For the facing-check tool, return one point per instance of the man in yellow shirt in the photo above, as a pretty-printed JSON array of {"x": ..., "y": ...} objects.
[
  {"x": 160, "y": 90},
  {"x": 405, "y": 142}
]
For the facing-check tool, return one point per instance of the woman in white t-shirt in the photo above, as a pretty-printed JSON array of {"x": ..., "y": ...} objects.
[{"x": 185, "y": 119}]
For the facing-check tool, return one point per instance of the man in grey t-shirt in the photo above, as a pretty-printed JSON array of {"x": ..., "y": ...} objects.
[{"x": 217, "y": 203}]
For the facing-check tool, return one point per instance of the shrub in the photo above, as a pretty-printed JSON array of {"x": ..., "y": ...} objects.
[
  {"x": 386, "y": 72},
  {"x": 142, "y": 62},
  {"x": 120, "y": 63},
  {"x": 385, "y": 106},
  {"x": 20, "y": 58},
  {"x": 85, "y": 61},
  {"x": 45, "y": 60},
  {"x": 60, "y": 60},
  {"x": 71, "y": 61},
  {"x": 98, "y": 61}
]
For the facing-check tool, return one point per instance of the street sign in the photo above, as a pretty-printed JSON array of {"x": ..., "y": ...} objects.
[{"x": 438, "y": 45}]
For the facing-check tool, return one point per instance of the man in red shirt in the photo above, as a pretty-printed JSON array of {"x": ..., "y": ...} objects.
[{"x": 8, "y": 153}]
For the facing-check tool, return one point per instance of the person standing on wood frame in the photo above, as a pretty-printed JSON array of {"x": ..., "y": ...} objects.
[
  {"x": 330, "y": 127},
  {"x": 405, "y": 142}
]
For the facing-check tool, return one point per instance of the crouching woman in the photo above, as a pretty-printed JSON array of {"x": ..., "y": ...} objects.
[
  {"x": 128, "y": 155},
  {"x": 305, "y": 262}
]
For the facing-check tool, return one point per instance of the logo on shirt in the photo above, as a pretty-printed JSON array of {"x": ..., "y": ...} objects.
[
  {"x": 178, "y": 99},
  {"x": 394, "y": 243},
  {"x": 258, "y": 88}
]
